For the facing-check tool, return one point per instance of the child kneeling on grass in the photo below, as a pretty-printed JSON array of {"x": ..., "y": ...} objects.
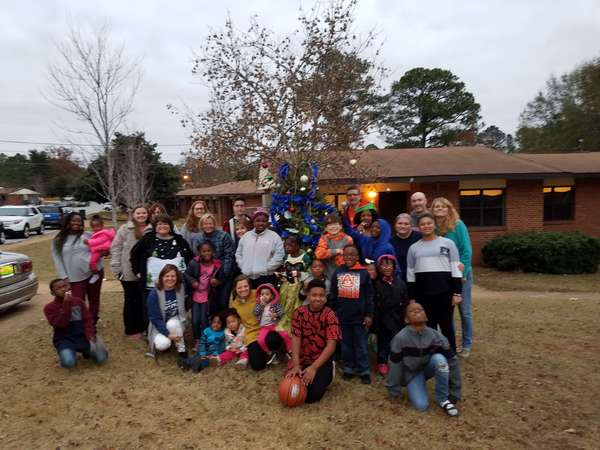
[
  {"x": 74, "y": 329},
  {"x": 419, "y": 353},
  {"x": 315, "y": 332}
]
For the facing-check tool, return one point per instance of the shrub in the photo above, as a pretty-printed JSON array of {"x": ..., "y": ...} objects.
[{"x": 544, "y": 252}]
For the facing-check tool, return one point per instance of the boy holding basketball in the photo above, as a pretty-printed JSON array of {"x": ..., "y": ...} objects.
[{"x": 315, "y": 332}]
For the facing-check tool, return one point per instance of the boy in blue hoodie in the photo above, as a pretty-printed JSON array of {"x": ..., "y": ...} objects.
[
  {"x": 212, "y": 344},
  {"x": 351, "y": 297}
]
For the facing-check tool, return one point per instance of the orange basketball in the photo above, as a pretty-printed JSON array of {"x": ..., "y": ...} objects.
[{"x": 292, "y": 391}]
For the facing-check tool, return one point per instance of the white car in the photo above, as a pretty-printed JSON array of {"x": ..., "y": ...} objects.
[{"x": 21, "y": 220}]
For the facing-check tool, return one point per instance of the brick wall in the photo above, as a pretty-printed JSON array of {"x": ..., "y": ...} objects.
[
  {"x": 448, "y": 189},
  {"x": 587, "y": 206},
  {"x": 524, "y": 209}
]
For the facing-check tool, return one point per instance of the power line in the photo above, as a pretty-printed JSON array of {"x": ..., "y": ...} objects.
[{"x": 15, "y": 141}]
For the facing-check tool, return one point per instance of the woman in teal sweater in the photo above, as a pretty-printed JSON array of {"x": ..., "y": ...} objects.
[{"x": 450, "y": 226}]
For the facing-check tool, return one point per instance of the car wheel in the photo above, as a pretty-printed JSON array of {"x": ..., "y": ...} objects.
[
  {"x": 2, "y": 237},
  {"x": 26, "y": 231},
  {"x": 40, "y": 230}
]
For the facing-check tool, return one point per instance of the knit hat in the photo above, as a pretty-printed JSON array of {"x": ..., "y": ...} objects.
[
  {"x": 387, "y": 256},
  {"x": 260, "y": 211}
]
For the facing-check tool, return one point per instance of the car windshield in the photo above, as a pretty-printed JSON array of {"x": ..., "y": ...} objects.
[
  {"x": 49, "y": 209},
  {"x": 13, "y": 211}
]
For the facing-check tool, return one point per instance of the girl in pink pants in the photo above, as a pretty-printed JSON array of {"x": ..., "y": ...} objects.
[{"x": 234, "y": 341}]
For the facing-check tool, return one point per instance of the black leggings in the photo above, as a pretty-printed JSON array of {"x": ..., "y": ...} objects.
[
  {"x": 322, "y": 380},
  {"x": 257, "y": 358},
  {"x": 440, "y": 311},
  {"x": 134, "y": 312}
]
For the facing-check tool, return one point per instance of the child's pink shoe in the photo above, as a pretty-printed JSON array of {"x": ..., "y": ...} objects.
[{"x": 383, "y": 369}]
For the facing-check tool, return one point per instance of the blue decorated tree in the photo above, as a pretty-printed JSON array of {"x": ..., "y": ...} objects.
[{"x": 297, "y": 207}]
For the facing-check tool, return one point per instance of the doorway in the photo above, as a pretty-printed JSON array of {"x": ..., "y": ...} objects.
[{"x": 391, "y": 204}]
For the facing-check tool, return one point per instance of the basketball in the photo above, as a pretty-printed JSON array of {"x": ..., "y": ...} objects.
[{"x": 292, "y": 391}]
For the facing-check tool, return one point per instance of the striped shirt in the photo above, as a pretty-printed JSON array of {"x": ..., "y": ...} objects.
[{"x": 432, "y": 268}]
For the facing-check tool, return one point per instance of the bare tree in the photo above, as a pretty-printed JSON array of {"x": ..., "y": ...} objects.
[
  {"x": 291, "y": 98},
  {"x": 134, "y": 177},
  {"x": 95, "y": 82}
]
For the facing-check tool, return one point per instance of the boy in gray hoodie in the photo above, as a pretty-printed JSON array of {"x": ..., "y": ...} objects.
[{"x": 419, "y": 353}]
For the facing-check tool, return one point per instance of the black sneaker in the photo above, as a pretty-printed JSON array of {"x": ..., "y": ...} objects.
[
  {"x": 197, "y": 364},
  {"x": 365, "y": 379},
  {"x": 183, "y": 363},
  {"x": 347, "y": 376}
]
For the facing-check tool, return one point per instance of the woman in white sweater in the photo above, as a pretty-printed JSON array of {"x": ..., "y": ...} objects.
[{"x": 134, "y": 308}]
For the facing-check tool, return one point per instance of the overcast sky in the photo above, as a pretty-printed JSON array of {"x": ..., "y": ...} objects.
[{"x": 503, "y": 50}]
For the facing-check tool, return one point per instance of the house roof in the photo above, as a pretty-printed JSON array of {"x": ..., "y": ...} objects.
[
  {"x": 24, "y": 192},
  {"x": 430, "y": 164},
  {"x": 443, "y": 163},
  {"x": 569, "y": 163},
  {"x": 245, "y": 187}
]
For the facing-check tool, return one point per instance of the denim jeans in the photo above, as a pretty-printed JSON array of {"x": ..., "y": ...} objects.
[
  {"x": 68, "y": 357},
  {"x": 466, "y": 312},
  {"x": 417, "y": 387},
  {"x": 354, "y": 349}
]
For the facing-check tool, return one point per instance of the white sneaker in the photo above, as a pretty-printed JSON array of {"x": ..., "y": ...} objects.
[
  {"x": 273, "y": 359},
  {"x": 465, "y": 353},
  {"x": 449, "y": 408},
  {"x": 241, "y": 363}
]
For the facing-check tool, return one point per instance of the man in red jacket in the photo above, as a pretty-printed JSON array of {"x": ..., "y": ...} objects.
[
  {"x": 353, "y": 202},
  {"x": 74, "y": 329}
]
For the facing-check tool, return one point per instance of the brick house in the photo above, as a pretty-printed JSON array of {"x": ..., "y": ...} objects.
[{"x": 494, "y": 192}]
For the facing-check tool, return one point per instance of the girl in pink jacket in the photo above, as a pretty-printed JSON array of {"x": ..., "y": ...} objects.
[{"x": 100, "y": 242}]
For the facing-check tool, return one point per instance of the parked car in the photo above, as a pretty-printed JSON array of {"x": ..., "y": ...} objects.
[
  {"x": 18, "y": 282},
  {"x": 21, "y": 220},
  {"x": 53, "y": 215},
  {"x": 2, "y": 234}
]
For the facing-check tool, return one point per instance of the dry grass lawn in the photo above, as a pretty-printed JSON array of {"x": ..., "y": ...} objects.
[
  {"x": 532, "y": 382},
  {"x": 542, "y": 282}
]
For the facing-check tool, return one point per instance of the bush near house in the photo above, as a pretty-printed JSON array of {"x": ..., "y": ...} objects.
[{"x": 544, "y": 252}]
